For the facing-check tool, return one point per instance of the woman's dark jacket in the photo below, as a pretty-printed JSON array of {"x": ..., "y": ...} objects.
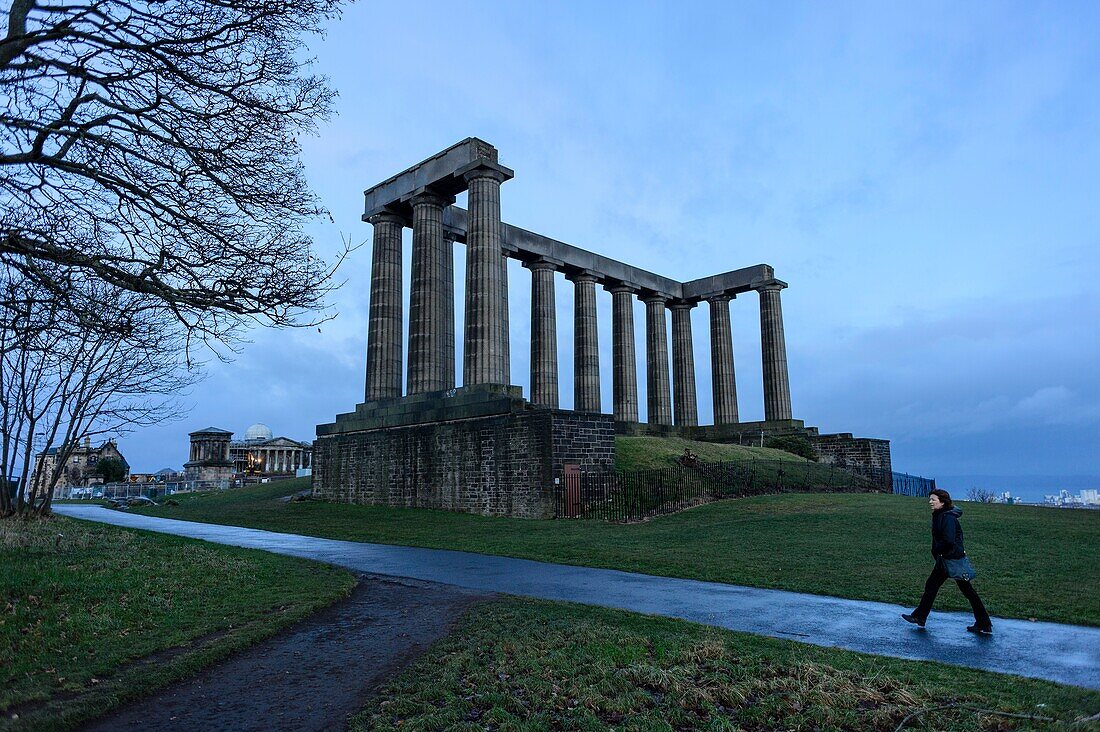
[{"x": 947, "y": 534}]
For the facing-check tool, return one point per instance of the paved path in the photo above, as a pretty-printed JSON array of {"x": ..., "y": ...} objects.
[
  {"x": 310, "y": 676},
  {"x": 1064, "y": 653}
]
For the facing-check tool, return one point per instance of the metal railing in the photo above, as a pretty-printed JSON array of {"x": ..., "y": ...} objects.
[
  {"x": 911, "y": 485},
  {"x": 111, "y": 491},
  {"x": 641, "y": 494}
]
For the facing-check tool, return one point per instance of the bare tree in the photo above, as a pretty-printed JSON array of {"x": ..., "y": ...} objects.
[
  {"x": 981, "y": 495},
  {"x": 61, "y": 383},
  {"x": 152, "y": 146}
]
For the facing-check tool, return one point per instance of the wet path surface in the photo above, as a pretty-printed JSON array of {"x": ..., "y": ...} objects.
[
  {"x": 312, "y": 675},
  {"x": 1064, "y": 653}
]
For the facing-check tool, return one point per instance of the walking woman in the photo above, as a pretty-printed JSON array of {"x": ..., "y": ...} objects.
[{"x": 951, "y": 561}]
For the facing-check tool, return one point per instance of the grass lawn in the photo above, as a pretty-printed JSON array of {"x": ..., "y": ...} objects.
[
  {"x": 92, "y": 616},
  {"x": 646, "y": 453},
  {"x": 1032, "y": 562},
  {"x": 531, "y": 665}
]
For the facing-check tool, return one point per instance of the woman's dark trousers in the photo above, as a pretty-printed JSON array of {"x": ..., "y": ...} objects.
[{"x": 932, "y": 586}]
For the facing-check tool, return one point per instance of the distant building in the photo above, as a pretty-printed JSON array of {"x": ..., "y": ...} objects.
[
  {"x": 216, "y": 456},
  {"x": 166, "y": 475},
  {"x": 261, "y": 453},
  {"x": 209, "y": 457},
  {"x": 79, "y": 470},
  {"x": 1087, "y": 497}
]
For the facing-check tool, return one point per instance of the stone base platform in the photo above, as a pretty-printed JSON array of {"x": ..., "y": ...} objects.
[{"x": 482, "y": 450}]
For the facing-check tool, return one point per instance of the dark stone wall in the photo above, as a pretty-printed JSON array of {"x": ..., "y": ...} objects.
[
  {"x": 500, "y": 465},
  {"x": 863, "y": 455}
]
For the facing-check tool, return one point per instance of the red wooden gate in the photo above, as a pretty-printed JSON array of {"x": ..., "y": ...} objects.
[{"x": 572, "y": 480}]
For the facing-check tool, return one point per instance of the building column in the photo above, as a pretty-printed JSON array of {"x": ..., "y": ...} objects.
[
  {"x": 505, "y": 355},
  {"x": 773, "y": 348},
  {"x": 658, "y": 397},
  {"x": 384, "y": 329},
  {"x": 623, "y": 355},
  {"x": 685, "y": 403},
  {"x": 723, "y": 380},
  {"x": 431, "y": 301},
  {"x": 544, "y": 334},
  {"x": 485, "y": 353},
  {"x": 586, "y": 347}
]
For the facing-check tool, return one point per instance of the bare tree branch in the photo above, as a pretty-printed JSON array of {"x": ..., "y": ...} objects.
[
  {"x": 153, "y": 146},
  {"x": 61, "y": 383}
]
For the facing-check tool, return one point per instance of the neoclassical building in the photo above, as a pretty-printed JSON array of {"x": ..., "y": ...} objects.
[
  {"x": 423, "y": 438},
  {"x": 260, "y": 452},
  {"x": 215, "y": 455}
]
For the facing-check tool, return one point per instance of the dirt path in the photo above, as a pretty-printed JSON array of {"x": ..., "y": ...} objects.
[{"x": 315, "y": 673}]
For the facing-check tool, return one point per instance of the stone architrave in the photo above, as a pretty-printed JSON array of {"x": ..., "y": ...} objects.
[
  {"x": 723, "y": 380},
  {"x": 431, "y": 301},
  {"x": 623, "y": 354},
  {"x": 658, "y": 397},
  {"x": 685, "y": 402},
  {"x": 586, "y": 347},
  {"x": 773, "y": 349},
  {"x": 485, "y": 352},
  {"x": 544, "y": 333},
  {"x": 383, "y": 379}
]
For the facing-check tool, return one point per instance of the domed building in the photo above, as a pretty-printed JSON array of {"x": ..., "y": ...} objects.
[
  {"x": 216, "y": 456},
  {"x": 261, "y": 453},
  {"x": 258, "y": 433}
]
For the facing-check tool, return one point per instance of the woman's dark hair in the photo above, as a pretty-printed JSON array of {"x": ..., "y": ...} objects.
[{"x": 943, "y": 495}]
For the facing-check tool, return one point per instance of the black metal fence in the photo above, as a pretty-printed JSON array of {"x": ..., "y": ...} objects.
[
  {"x": 641, "y": 494},
  {"x": 912, "y": 485}
]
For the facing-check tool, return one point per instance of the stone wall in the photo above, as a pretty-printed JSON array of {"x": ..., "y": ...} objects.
[
  {"x": 497, "y": 465},
  {"x": 863, "y": 455}
]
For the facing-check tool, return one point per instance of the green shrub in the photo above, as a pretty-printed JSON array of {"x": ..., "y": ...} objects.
[{"x": 793, "y": 444}]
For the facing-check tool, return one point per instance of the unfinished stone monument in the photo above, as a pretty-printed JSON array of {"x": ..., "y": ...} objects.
[{"x": 482, "y": 447}]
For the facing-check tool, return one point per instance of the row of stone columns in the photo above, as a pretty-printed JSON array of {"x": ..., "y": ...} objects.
[
  {"x": 668, "y": 401},
  {"x": 276, "y": 460},
  {"x": 431, "y": 365}
]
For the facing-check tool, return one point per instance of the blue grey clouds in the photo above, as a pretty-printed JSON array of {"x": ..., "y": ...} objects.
[{"x": 925, "y": 178}]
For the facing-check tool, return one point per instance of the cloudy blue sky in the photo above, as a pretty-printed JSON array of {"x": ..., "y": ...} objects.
[{"x": 925, "y": 177}]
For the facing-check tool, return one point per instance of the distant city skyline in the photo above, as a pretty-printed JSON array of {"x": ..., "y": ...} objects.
[{"x": 923, "y": 177}]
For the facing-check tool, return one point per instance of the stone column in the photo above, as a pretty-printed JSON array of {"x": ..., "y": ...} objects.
[
  {"x": 384, "y": 329},
  {"x": 486, "y": 339},
  {"x": 431, "y": 301},
  {"x": 505, "y": 355},
  {"x": 544, "y": 334},
  {"x": 586, "y": 347},
  {"x": 773, "y": 348},
  {"x": 656, "y": 356},
  {"x": 723, "y": 380},
  {"x": 623, "y": 355},
  {"x": 685, "y": 402}
]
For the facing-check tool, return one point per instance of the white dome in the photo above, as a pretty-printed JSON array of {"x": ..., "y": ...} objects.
[{"x": 258, "y": 433}]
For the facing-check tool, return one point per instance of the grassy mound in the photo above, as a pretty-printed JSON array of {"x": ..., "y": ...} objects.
[{"x": 648, "y": 453}]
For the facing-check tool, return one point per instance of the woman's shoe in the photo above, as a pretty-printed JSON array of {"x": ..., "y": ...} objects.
[
  {"x": 913, "y": 619},
  {"x": 980, "y": 629}
]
